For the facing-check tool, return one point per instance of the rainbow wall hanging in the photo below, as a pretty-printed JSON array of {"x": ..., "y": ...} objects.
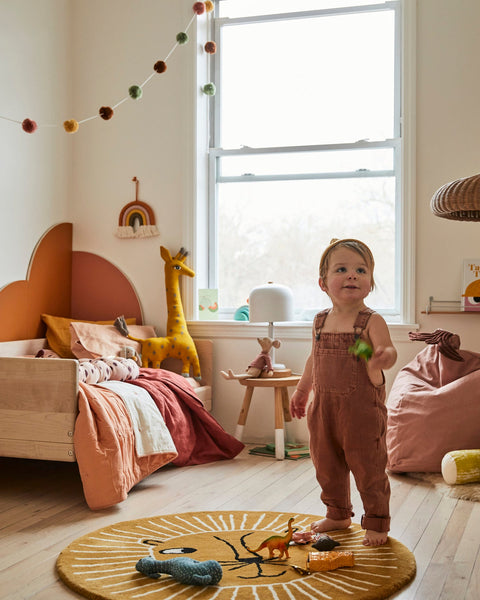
[{"x": 136, "y": 219}]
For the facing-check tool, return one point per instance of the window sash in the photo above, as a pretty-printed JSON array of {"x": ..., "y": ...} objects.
[{"x": 404, "y": 255}]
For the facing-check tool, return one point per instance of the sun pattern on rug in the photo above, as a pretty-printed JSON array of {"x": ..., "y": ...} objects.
[{"x": 101, "y": 565}]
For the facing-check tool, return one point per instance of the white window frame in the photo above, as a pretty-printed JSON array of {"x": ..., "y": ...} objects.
[{"x": 204, "y": 208}]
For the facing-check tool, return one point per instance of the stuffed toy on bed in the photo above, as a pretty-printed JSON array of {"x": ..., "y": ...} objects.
[{"x": 178, "y": 342}]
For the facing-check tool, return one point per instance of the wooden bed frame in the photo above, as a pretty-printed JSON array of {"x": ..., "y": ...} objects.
[{"x": 38, "y": 397}]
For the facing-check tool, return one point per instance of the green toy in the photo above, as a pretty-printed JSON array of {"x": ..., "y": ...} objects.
[{"x": 361, "y": 349}]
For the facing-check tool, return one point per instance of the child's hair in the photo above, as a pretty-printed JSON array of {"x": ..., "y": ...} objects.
[{"x": 351, "y": 244}]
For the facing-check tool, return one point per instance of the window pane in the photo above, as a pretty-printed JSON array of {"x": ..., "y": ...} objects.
[
  {"x": 242, "y": 8},
  {"x": 307, "y": 81},
  {"x": 277, "y": 231},
  {"x": 307, "y": 162}
]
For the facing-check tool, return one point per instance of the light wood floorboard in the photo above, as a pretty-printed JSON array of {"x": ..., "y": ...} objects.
[{"x": 42, "y": 510}]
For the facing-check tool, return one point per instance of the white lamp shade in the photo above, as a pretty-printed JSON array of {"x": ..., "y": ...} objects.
[{"x": 271, "y": 303}]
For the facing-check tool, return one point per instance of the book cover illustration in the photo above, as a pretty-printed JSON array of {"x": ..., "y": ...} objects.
[
  {"x": 471, "y": 285},
  {"x": 208, "y": 304}
]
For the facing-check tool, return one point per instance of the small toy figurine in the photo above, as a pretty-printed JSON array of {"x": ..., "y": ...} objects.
[
  {"x": 277, "y": 542},
  {"x": 325, "y": 542},
  {"x": 328, "y": 561},
  {"x": 361, "y": 349},
  {"x": 261, "y": 366},
  {"x": 183, "y": 569}
]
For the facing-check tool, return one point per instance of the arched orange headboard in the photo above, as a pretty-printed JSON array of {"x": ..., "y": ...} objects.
[{"x": 64, "y": 283}]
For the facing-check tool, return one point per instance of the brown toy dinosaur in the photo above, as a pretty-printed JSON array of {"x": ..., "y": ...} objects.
[{"x": 277, "y": 542}]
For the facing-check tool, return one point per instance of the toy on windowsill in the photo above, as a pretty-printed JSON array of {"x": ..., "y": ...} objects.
[
  {"x": 277, "y": 542},
  {"x": 361, "y": 349},
  {"x": 261, "y": 366},
  {"x": 183, "y": 569}
]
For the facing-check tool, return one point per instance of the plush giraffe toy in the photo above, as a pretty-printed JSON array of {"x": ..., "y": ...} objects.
[{"x": 177, "y": 343}]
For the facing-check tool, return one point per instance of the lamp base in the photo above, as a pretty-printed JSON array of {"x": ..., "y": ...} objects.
[{"x": 281, "y": 372}]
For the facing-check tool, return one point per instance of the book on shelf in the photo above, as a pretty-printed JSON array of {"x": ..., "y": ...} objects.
[
  {"x": 471, "y": 285},
  {"x": 292, "y": 451}
]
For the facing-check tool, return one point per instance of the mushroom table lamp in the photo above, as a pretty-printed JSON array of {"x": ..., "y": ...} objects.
[{"x": 271, "y": 303}]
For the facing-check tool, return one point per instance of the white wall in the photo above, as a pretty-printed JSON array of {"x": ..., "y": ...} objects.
[
  {"x": 52, "y": 75},
  {"x": 117, "y": 43},
  {"x": 35, "y": 169}
]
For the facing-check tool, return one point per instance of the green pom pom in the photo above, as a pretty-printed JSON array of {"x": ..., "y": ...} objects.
[
  {"x": 182, "y": 37},
  {"x": 362, "y": 349},
  {"x": 209, "y": 89},
  {"x": 135, "y": 92}
]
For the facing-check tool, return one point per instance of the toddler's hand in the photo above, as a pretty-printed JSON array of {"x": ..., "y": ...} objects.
[
  {"x": 298, "y": 402},
  {"x": 382, "y": 358}
]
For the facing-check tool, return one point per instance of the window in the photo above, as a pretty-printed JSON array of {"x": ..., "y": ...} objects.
[{"x": 306, "y": 145}]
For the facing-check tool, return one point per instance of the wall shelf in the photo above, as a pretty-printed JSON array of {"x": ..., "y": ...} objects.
[{"x": 446, "y": 307}]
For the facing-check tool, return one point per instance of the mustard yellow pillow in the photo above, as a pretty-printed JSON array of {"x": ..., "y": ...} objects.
[{"x": 58, "y": 332}]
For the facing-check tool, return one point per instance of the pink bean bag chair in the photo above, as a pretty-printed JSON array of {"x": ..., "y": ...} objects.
[{"x": 434, "y": 405}]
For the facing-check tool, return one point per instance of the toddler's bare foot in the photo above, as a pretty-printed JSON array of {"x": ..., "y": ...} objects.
[
  {"x": 375, "y": 538},
  {"x": 329, "y": 525}
]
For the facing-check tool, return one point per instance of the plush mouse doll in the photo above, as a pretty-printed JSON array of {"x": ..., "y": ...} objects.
[{"x": 261, "y": 366}]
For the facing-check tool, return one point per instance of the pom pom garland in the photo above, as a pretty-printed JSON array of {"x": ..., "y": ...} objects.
[
  {"x": 106, "y": 112},
  {"x": 160, "y": 66},
  {"x": 182, "y": 37},
  {"x": 210, "y": 47},
  {"x": 199, "y": 8},
  {"x": 29, "y": 126},
  {"x": 135, "y": 92},
  {"x": 71, "y": 126},
  {"x": 209, "y": 89}
]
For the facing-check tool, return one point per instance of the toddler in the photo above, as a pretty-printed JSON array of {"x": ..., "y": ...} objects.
[{"x": 347, "y": 416}]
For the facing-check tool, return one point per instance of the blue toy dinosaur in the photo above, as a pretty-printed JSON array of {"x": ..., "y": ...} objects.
[{"x": 183, "y": 569}]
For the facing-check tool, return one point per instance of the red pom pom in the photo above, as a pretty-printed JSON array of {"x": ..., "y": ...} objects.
[
  {"x": 210, "y": 47},
  {"x": 160, "y": 66},
  {"x": 199, "y": 8},
  {"x": 29, "y": 126},
  {"x": 106, "y": 112}
]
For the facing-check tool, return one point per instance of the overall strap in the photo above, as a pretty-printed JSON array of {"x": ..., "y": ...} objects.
[
  {"x": 319, "y": 322},
  {"x": 361, "y": 321}
]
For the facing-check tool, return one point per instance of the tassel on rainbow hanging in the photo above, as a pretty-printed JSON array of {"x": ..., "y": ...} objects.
[{"x": 136, "y": 219}]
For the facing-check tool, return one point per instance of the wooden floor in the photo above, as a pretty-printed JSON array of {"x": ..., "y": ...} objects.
[{"x": 42, "y": 510}]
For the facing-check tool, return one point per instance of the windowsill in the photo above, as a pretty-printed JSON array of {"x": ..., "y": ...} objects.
[{"x": 300, "y": 330}]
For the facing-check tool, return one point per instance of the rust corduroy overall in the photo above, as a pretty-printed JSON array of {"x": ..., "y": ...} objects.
[{"x": 347, "y": 424}]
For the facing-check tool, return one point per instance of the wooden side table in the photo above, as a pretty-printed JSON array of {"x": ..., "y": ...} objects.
[{"x": 282, "y": 409}]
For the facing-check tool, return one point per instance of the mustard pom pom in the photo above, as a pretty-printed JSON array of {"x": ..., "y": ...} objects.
[
  {"x": 209, "y": 6},
  {"x": 71, "y": 126}
]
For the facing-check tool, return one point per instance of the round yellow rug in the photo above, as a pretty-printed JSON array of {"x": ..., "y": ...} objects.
[{"x": 101, "y": 565}]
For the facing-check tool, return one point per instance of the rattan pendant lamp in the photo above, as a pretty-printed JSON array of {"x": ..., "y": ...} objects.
[{"x": 458, "y": 200}]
